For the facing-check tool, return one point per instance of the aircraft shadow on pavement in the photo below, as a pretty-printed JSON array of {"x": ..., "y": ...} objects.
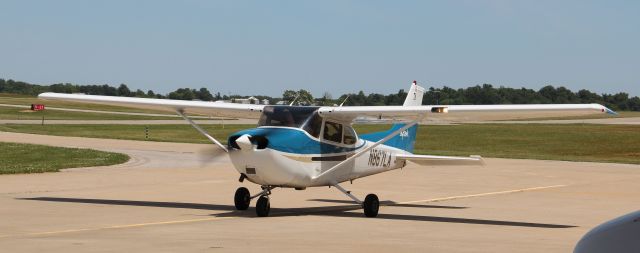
[
  {"x": 390, "y": 203},
  {"x": 336, "y": 211}
]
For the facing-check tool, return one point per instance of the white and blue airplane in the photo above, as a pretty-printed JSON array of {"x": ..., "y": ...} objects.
[{"x": 310, "y": 146}]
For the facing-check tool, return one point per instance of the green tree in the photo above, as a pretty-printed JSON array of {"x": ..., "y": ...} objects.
[
  {"x": 139, "y": 93},
  {"x": 305, "y": 97},
  {"x": 204, "y": 94},
  {"x": 289, "y": 95},
  {"x": 182, "y": 94},
  {"x": 124, "y": 91}
]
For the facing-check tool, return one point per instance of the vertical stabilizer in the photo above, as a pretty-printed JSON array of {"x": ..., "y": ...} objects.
[
  {"x": 406, "y": 139},
  {"x": 414, "y": 96}
]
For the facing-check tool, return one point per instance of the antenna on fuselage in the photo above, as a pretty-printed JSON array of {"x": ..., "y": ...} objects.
[
  {"x": 345, "y": 100},
  {"x": 294, "y": 100}
]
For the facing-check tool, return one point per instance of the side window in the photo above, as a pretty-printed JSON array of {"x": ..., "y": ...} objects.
[
  {"x": 332, "y": 132},
  {"x": 349, "y": 136}
]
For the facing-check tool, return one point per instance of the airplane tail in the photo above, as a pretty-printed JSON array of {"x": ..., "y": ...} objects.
[{"x": 406, "y": 139}]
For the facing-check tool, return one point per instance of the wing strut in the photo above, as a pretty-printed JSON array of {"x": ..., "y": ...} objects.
[
  {"x": 356, "y": 155},
  {"x": 202, "y": 131}
]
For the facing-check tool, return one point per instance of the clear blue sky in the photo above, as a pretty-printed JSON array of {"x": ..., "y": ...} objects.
[{"x": 264, "y": 47}]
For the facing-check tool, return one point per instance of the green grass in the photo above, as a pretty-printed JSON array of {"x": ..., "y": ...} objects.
[
  {"x": 167, "y": 133},
  {"x": 621, "y": 114},
  {"x": 26, "y": 100},
  {"x": 12, "y": 113},
  {"x": 28, "y": 158},
  {"x": 576, "y": 142}
]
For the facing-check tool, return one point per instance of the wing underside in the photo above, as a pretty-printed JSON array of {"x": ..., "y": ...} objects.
[
  {"x": 169, "y": 105},
  {"x": 461, "y": 113}
]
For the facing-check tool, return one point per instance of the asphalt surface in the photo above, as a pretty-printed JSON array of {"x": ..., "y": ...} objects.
[{"x": 167, "y": 200}]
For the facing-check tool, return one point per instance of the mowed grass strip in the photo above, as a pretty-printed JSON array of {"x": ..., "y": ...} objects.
[
  {"x": 13, "y": 99},
  {"x": 575, "y": 142},
  {"x": 621, "y": 114},
  {"x": 13, "y": 113},
  {"x": 165, "y": 133},
  {"x": 18, "y": 158}
]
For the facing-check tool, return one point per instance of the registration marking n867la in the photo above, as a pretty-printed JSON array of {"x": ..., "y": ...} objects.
[{"x": 379, "y": 158}]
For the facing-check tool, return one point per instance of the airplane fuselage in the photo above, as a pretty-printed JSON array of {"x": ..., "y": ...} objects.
[{"x": 293, "y": 158}]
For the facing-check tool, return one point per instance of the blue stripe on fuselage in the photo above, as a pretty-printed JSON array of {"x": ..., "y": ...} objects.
[
  {"x": 294, "y": 141},
  {"x": 402, "y": 141}
]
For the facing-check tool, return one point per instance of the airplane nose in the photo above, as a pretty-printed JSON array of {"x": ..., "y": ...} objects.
[{"x": 244, "y": 142}]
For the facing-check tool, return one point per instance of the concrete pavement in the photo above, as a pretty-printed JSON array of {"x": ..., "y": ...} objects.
[{"x": 164, "y": 200}]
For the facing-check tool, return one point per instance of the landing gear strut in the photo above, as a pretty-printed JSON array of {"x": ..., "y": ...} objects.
[
  {"x": 242, "y": 200},
  {"x": 371, "y": 204}
]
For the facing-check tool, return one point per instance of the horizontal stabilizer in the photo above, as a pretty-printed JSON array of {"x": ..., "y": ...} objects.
[{"x": 427, "y": 160}]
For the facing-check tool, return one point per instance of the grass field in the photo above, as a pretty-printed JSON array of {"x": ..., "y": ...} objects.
[
  {"x": 12, "y": 99},
  {"x": 621, "y": 114},
  {"x": 28, "y": 158},
  {"x": 13, "y": 113},
  {"x": 578, "y": 142}
]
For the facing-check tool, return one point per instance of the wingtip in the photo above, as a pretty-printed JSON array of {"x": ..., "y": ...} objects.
[
  {"x": 606, "y": 110},
  {"x": 611, "y": 112}
]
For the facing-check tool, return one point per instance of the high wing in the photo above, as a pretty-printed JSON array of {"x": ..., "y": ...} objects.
[
  {"x": 441, "y": 160},
  {"x": 198, "y": 107},
  {"x": 462, "y": 112}
]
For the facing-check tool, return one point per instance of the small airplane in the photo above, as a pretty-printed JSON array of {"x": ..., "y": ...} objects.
[{"x": 316, "y": 146}]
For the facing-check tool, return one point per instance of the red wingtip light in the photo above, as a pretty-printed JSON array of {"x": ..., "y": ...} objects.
[{"x": 415, "y": 83}]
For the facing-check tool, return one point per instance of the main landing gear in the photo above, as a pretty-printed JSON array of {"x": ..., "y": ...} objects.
[
  {"x": 370, "y": 205},
  {"x": 242, "y": 200}
]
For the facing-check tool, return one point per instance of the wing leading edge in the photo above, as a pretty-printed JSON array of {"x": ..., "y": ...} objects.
[{"x": 463, "y": 112}]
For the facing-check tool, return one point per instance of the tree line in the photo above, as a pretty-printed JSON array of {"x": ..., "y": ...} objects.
[{"x": 479, "y": 94}]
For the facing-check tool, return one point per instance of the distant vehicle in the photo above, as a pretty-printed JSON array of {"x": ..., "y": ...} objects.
[
  {"x": 310, "y": 146},
  {"x": 37, "y": 107}
]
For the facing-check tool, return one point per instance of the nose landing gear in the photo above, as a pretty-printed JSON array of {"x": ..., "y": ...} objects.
[{"x": 242, "y": 200}]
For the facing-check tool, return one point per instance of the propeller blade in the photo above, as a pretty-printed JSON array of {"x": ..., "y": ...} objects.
[{"x": 212, "y": 154}]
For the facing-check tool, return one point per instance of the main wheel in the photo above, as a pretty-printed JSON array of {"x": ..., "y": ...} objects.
[
  {"x": 242, "y": 198},
  {"x": 371, "y": 205},
  {"x": 263, "y": 206}
]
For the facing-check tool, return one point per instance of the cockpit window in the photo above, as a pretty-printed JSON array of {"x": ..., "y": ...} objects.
[
  {"x": 287, "y": 116},
  {"x": 349, "y": 136},
  {"x": 313, "y": 125},
  {"x": 332, "y": 131}
]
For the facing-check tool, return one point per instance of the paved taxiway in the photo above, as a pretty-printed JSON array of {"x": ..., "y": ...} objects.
[{"x": 163, "y": 200}]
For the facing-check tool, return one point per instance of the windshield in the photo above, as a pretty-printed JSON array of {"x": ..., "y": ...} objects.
[{"x": 287, "y": 116}]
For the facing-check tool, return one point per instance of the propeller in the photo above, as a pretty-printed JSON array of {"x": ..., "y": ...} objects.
[{"x": 211, "y": 154}]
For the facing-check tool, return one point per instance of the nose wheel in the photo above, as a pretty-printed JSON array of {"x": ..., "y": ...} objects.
[{"x": 263, "y": 206}]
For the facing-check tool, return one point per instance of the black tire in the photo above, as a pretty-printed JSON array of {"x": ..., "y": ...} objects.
[
  {"x": 242, "y": 199},
  {"x": 263, "y": 206},
  {"x": 371, "y": 205}
]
